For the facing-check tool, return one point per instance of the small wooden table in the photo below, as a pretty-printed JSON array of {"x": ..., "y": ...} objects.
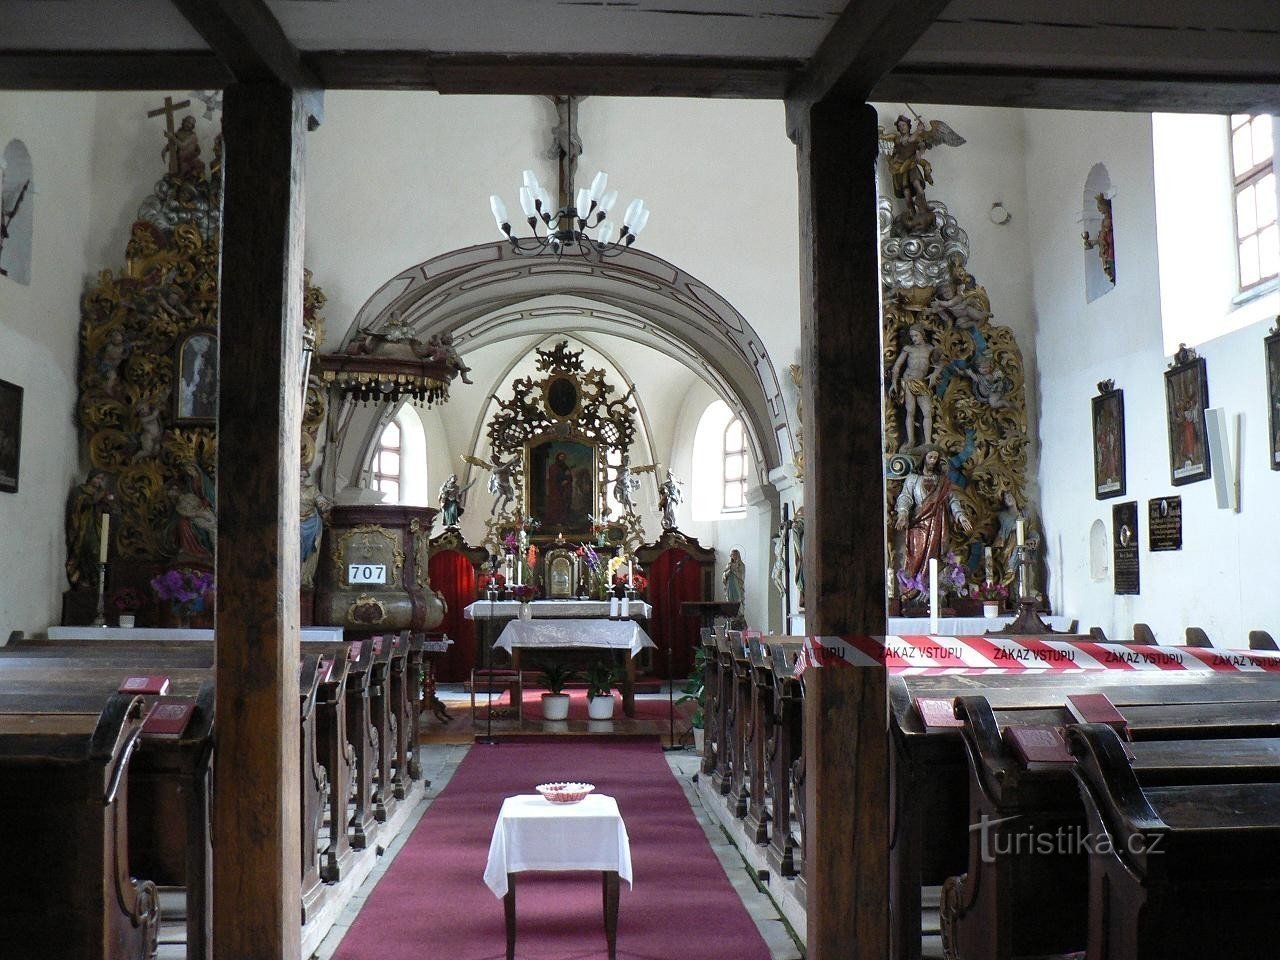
[{"x": 534, "y": 834}]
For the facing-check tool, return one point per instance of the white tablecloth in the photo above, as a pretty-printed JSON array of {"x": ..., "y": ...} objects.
[
  {"x": 533, "y": 833},
  {"x": 557, "y": 634},
  {"x": 962, "y": 626},
  {"x": 546, "y": 609}
]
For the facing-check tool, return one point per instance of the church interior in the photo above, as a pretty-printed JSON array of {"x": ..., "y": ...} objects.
[{"x": 900, "y": 493}]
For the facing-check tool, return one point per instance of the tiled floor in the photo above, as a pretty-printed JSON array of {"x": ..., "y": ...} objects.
[{"x": 440, "y": 760}]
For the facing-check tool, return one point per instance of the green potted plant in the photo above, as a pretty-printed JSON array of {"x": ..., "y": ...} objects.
[
  {"x": 695, "y": 691},
  {"x": 555, "y": 702},
  {"x": 601, "y": 680}
]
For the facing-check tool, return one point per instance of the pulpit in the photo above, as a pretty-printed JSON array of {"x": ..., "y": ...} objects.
[
  {"x": 373, "y": 576},
  {"x": 680, "y": 571}
]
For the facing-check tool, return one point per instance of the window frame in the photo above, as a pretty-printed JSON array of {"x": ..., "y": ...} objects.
[
  {"x": 739, "y": 481},
  {"x": 1251, "y": 179},
  {"x": 376, "y": 474}
]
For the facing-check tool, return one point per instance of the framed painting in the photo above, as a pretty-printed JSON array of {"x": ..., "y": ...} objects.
[
  {"x": 1186, "y": 392},
  {"x": 10, "y": 435},
  {"x": 561, "y": 485},
  {"x": 1272, "y": 349},
  {"x": 195, "y": 393},
  {"x": 1108, "y": 442}
]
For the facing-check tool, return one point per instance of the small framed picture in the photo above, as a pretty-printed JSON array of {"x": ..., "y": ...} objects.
[
  {"x": 1108, "y": 442},
  {"x": 1272, "y": 349},
  {"x": 10, "y": 435},
  {"x": 1186, "y": 391},
  {"x": 195, "y": 396}
]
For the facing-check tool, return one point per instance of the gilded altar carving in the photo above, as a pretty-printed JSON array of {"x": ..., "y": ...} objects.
[{"x": 954, "y": 381}]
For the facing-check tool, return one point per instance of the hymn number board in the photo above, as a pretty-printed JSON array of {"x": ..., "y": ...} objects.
[{"x": 367, "y": 573}]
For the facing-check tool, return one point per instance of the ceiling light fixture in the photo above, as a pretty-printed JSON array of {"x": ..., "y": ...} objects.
[{"x": 583, "y": 228}]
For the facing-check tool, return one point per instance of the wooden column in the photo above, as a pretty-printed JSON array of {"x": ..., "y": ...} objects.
[
  {"x": 846, "y": 709},
  {"x": 256, "y": 898}
]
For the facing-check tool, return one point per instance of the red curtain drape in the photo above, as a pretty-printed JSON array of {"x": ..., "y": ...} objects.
[
  {"x": 454, "y": 578},
  {"x": 674, "y": 577}
]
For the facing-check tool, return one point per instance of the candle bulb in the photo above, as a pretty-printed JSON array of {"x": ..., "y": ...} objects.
[
  {"x": 103, "y": 529},
  {"x": 933, "y": 595}
]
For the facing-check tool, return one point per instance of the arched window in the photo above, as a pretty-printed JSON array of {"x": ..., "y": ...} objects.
[
  {"x": 17, "y": 217},
  {"x": 387, "y": 461},
  {"x": 735, "y": 466},
  {"x": 1254, "y": 191}
]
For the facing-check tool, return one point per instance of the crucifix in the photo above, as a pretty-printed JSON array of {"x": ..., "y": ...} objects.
[
  {"x": 566, "y": 145},
  {"x": 169, "y": 109}
]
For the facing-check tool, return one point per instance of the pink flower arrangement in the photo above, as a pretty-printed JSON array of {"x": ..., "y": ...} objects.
[{"x": 524, "y": 593}]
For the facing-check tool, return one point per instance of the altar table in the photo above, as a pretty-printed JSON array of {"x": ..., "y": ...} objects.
[
  {"x": 545, "y": 609},
  {"x": 533, "y": 833},
  {"x": 560, "y": 634},
  {"x": 963, "y": 626}
]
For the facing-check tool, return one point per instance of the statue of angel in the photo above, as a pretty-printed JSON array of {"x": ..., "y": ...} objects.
[
  {"x": 626, "y": 483},
  {"x": 905, "y": 147},
  {"x": 502, "y": 482}
]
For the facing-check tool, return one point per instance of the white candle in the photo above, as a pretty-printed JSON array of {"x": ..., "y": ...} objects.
[
  {"x": 103, "y": 528},
  {"x": 1022, "y": 532},
  {"x": 890, "y": 584},
  {"x": 933, "y": 595},
  {"x": 624, "y": 608},
  {"x": 613, "y": 608},
  {"x": 630, "y": 580},
  {"x": 519, "y": 570},
  {"x": 988, "y": 566}
]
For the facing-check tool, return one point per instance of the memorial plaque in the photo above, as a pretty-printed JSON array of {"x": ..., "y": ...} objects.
[
  {"x": 1124, "y": 538},
  {"x": 1164, "y": 523}
]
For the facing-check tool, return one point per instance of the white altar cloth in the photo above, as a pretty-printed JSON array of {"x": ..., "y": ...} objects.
[
  {"x": 962, "y": 626},
  {"x": 560, "y": 634},
  {"x": 532, "y": 833},
  {"x": 546, "y": 609},
  {"x": 329, "y": 634}
]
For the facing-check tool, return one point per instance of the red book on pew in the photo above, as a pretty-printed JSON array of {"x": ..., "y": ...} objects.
[
  {"x": 324, "y": 669},
  {"x": 937, "y": 712},
  {"x": 354, "y": 652},
  {"x": 1097, "y": 708},
  {"x": 168, "y": 718},
  {"x": 155, "y": 686},
  {"x": 1038, "y": 744}
]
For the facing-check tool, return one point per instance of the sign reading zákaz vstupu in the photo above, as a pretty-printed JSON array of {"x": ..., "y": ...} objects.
[
  {"x": 1164, "y": 523},
  {"x": 1124, "y": 534}
]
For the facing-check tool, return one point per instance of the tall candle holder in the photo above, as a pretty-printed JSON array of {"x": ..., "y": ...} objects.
[
  {"x": 1028, "y": 621},
  {"x": 101, "y": 619}
]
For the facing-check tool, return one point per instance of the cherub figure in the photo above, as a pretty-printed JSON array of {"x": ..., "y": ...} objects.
[
  {"x": 910, "y": 170},
  {"x": 440, "y": 348},
  {"x": 989, "y": 383}
]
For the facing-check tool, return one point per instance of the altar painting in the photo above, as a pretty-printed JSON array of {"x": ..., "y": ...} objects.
[{"x": 560, "y": 483}]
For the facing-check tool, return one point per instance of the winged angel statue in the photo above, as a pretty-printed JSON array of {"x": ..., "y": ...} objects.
[
  {"x": 502, "y": 482},
  {"x": 905, "y": 146}
]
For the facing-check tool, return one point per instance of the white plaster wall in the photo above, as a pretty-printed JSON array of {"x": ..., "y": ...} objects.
[
  {"x": 38, "y": 350},
  {"x": 1219, "y": 580}
]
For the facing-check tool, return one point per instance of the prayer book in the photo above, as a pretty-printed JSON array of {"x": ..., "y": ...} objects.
[
  {"x": 168, "y": 718},
  {"x": 1038, "y": 744},
  {"x": 156, "y": 686},
  {"x": 937, "y": 712}
]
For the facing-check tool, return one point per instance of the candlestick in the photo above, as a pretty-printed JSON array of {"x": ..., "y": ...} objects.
[
  {"x": 624, "y": 608},
  {"x": 101, "y": 619},
  {"x": 933, "y": 595},
  {"x": 1022, "y": 532},
  {"x": 613, "y": 608},
  {"x": 103, "y": 529}
]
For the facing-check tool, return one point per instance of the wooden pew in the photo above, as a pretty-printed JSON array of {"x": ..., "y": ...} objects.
[
  {"x": 1195, "y": 836},
  {"x": 929, "y": 777},
  {"x": 64, "y": 830},
  {"x": 313, "y": 787},
  {"x": 786, "y": 833},
  {"x": 711, "y": 718}
]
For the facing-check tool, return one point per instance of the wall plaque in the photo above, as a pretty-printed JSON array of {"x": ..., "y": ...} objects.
[
  {"x": 1164, "y": 523},
  {"x": 1124, "y": 533}
]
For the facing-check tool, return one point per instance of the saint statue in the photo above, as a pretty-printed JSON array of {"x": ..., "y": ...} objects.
[
  {"x": 313, "y": 510},
  {"x": 911, "y": 383},
  {"x": 626, "y": 484},
  {"x": 669, "y": 497},
  {"x": 1104, "y": 240},
  {"x": 734, "y": 578},
  {"x": 88, "y": 502},
  {"x": 925, "y": 508},
  {"x": 451, "y": 497}
]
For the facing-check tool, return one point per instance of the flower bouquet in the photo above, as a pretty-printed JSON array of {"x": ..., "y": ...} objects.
[
  {"x": 993, "y": 596},
  {"x": 128, "y": 601},
  {"x": 183, "y": 588}
]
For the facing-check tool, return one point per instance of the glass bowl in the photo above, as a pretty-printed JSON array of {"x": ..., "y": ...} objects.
[{"x": 562, "y": 791}]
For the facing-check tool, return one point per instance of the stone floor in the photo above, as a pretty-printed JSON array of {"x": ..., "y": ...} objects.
[{"x": 440, "y": 760}]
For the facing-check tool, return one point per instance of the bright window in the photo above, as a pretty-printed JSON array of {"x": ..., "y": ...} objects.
[
  {"x": 1254, "y": 189},
  {"x": 735, "y": 466},
  {"x": 386, "y": 463}
]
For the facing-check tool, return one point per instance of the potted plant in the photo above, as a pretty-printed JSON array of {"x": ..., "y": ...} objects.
[
  {"x": 601, "y": 680},
  {"x": 128, "y": 601},
  {"x": 555, "y": 702},
  {"x": 992, "y": 594},
  {"x": 695, "y": 691}
]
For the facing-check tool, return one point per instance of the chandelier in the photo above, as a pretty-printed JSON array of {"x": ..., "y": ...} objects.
[{"x": 583, "y": 228}]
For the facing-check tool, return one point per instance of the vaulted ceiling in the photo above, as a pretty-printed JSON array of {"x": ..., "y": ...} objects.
[{"x": 1139, "y": 55}]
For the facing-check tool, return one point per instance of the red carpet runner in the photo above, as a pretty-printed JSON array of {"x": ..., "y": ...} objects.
[{"x": 432, "y": 902}]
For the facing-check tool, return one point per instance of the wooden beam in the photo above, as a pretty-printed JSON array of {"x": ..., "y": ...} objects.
[
  {"x": 141, "y": 70},
  {"x": 868, "y": 39},
  {"x": 553, "y": 75},
  {"x": 846, "y": 709},
  {"x": 1077, "y": 90},
  {"x": 256, "y": 825},
  {"x": 249, "y": 39}
]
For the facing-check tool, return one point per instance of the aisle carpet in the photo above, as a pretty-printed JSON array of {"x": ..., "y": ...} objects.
[{"x": 432, "y": 901}]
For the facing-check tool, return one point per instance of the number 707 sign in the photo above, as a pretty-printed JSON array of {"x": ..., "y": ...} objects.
[{"x": 366, "y": 573}]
